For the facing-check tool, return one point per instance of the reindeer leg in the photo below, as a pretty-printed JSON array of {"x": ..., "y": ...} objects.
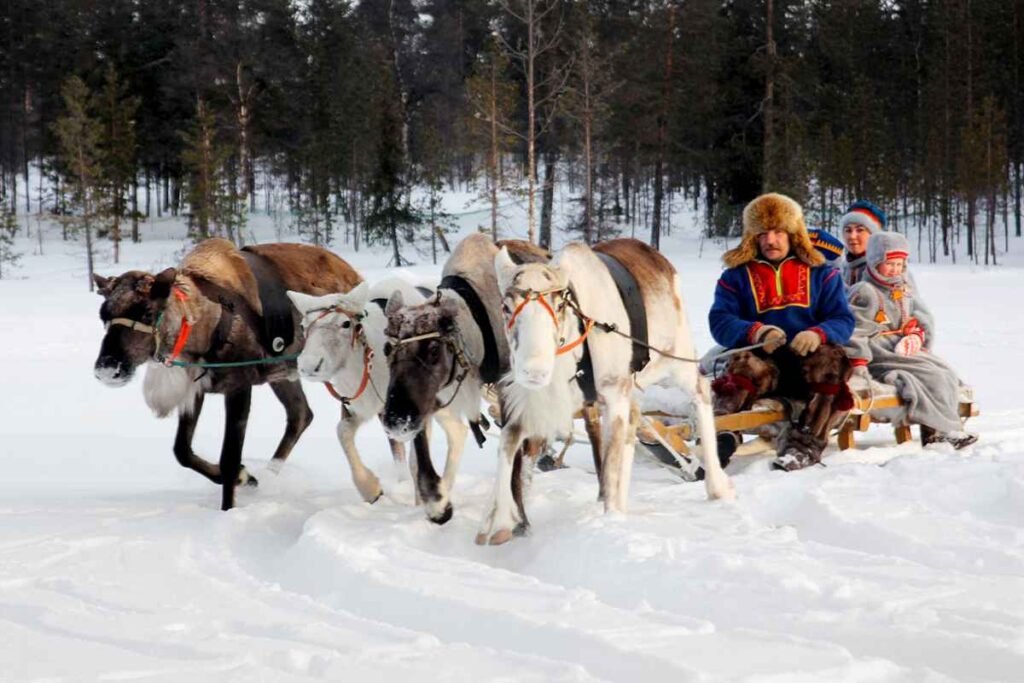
[
  {"x": 183, "y": 444},
  {"x": 365, "y": 480},
  {"x": 621, "y": 416},
  {"x": 290, "y": 394},
  {"x": 428, "y": 484},
  {"x": 592, "y": 422},
  {"x": 500, "y": 524},
  {"x": 455, "y": 431},
  {"x": 236, "y": 408},
  {"x": 522, "y": 477}
]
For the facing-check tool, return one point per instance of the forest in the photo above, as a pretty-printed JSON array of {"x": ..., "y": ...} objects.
[{"x": 349, "y": 120}]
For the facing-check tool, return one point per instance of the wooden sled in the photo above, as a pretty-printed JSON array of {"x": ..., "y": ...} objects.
[{"x": 878, "y": 404}]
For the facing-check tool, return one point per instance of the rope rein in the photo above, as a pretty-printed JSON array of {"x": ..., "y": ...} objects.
[{"x": 588, "y": 322}]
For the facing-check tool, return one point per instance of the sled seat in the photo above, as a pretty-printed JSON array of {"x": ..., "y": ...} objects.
[{"x": 877, "y": 402}]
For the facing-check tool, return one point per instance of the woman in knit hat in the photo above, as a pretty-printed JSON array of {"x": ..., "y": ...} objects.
[
  {"x": 893, "y": 338},
  {"x": 858, "y": 224}
]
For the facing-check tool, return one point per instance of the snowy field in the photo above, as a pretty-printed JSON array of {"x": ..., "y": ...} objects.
[{"x": 889, "y": 564}]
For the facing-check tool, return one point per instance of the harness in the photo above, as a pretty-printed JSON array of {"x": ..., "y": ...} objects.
[
  {"x": 461, "y": 362},
  {"x": 490, "y": 366},
  {"x": 358, "y": 334},
  {"x": 278, "y": 328},
  {"x": 632, "y": 299}
]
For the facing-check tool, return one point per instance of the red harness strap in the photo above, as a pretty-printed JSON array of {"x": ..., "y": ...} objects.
[
  {"x": 588, "y": 324},
  {"x": 183, "y": 333},
  {"x": 363, "y": 383}
]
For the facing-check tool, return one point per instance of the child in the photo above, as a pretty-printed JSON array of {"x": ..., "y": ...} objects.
[
  {"x": 860, "y": 221},
  {"x": 892, "y": 342}
]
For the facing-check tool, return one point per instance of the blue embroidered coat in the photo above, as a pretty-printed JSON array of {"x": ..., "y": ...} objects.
[{"x": 792, "y": 296}]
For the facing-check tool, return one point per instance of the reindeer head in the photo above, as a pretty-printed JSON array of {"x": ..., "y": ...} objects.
[
  {"x": 132, "y": 304},
  {"x": 420, "y": 367},
  {"x": 330, "y": 326},
  {"x": 533, "y": 301}
]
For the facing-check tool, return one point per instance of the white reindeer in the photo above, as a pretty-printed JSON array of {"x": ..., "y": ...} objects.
[
  {"x": 549, "y": 309},
  {"x": 344, "y": 348}
]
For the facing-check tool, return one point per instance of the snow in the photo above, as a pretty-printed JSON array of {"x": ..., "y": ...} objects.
[{"x": 892, "y": 563}]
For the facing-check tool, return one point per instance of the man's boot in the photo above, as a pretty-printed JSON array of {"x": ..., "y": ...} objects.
[{"x": 801, "y": 449}]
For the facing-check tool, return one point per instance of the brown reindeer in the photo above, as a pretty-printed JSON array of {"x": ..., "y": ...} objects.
[
  {"x": 221, "y": 306},
  {"x": 442, "y": 352}
]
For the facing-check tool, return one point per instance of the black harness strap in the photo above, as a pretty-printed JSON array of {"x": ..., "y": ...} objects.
[
  {"x": 278, "y": 329},
  {"x": 427, "y": 292},
  {"x": 490, "y": 370},
  {"x": 633, "y": 300},
  {"x": 380, "y": 301}
]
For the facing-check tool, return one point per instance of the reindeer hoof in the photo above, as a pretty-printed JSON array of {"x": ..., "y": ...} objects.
[
  {"x": 547, "y": 463},
  {"x": 444, "y": 517},
  {"x": 246, "y": 479},
  {"x": 481, "y": 538},
  {"x": 521, "y": 529},
  {"x": 500, "y": 537}
]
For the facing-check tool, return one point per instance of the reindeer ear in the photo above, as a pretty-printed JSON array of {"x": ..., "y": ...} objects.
[
  {"x": 562, "y": 277},
  {"x": 302, "y": 302},
  {"x": 505, "y": 269},
  {"x": 394, "y": 304},
  {"x": 104, "y": 285},
  {"x": 161, "y": 284},
  {"x": 355, "y": 299}
]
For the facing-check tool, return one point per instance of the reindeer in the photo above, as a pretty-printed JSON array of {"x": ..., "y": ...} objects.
[
  {"x": 443, "y": 352},
  {"x": 345, "y": 350},
  {"x": 220, "y": 323},
  {"x": 557, "y": 315}
]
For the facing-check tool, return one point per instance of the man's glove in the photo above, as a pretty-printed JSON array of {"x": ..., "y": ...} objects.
[
  {"x": 805, "y": 342},
  {"x": 862, "y": 372},
  {"x": 772, "y": 337},
  {"x": 909, "y": 345}
]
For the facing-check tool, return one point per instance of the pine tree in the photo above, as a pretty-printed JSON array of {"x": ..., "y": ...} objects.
[
  {"x": 117, "y": 112},
  {"x": 79, "y": 134},
  {"x": 8, "y": 230}
]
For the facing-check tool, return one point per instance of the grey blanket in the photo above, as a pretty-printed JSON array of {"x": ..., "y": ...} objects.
[{"x": 927, "y": 383}]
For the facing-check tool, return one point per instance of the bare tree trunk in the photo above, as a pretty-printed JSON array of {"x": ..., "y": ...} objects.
[
  {"x": 492, "y": 163},
  {"x": 768, "y": 112},
  {"x": 659, "y": 164},
  {"x": 548, "y": 197}
]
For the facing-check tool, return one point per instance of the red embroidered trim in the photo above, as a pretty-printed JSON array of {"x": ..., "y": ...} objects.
[
  {"x": 858, "y": 362},
  {"x": 752, "y": 332},
  {"x": 778, "y": 288},
  {"x": 821, "y": 333}
]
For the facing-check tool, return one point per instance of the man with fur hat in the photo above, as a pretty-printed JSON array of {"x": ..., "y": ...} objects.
[
  {"x": 861, "y": 220},
  {"x": 778, "y": 292}
]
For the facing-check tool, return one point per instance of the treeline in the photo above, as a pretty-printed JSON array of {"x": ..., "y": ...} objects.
[{"x": 335, "y": 111}]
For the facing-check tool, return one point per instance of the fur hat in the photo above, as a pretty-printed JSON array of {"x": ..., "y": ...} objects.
[
  {"x": 773, "y": 211},
  {"x": 864, "y": 213},
  {"x": 830, "y": 246}
]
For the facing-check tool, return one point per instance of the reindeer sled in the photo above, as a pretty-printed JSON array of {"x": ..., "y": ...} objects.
[{"x": 667, "y": 435}]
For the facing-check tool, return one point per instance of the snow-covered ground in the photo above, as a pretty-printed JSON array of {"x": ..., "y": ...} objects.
[{"x": 890, "y": 564}]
